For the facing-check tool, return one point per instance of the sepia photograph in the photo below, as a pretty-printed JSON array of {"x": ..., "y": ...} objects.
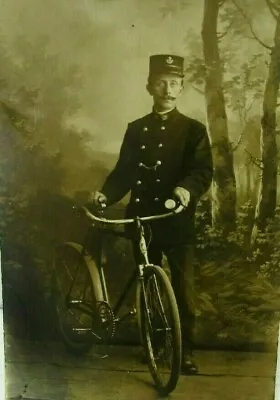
[{"x": 139, "y": 199}]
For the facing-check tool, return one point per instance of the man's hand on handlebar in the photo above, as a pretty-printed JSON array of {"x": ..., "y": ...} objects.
[
  {"x": 183, "y": 195},
  {"x": 98, "y": 199}
]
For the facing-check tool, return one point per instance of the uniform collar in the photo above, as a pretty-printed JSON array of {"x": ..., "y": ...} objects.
[{"x": 165, "y": 116}]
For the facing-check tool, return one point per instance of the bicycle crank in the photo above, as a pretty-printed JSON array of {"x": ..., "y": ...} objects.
[{"x": 107, "y": 322}]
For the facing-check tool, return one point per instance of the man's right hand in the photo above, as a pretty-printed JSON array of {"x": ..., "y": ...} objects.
[{"x": 98, "y": 198}]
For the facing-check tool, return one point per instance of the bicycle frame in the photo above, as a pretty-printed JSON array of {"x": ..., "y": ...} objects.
[{"x": 97, "y": 255}]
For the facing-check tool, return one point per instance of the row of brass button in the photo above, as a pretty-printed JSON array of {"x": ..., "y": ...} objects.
[
  {"x": 143, "y": 147},
  {"x": 137, "y": 200},
  {"x": 145, "y": 129},
  {"x": 140, "y": 182}
]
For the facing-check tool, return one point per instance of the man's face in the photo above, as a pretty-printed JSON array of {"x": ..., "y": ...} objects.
[{"x": 165, "y": 89}]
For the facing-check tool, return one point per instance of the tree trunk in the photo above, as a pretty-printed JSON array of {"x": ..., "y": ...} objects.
[
  {"x": 224, "y": 184},
  {"x": 248, "y": 183},
  {"x": 266, "y": 201},
  {"x": 250, "y": 195}
]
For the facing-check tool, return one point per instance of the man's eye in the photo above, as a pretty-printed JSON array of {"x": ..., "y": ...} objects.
[{"x": 160, "y": 84}]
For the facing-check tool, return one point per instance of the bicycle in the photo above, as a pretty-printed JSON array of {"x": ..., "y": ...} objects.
[{"x": 85, "y": 315}]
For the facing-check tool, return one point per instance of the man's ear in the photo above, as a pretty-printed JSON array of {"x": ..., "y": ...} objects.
[
  {"x": 182, "y": 88},
  {"x": 148, "y": 87}
]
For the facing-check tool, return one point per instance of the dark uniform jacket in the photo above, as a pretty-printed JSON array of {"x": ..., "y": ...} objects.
[{"x": 158, "y": 154}]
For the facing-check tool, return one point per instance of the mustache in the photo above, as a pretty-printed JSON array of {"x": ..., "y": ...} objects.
[{"x": 168, "y": 98}]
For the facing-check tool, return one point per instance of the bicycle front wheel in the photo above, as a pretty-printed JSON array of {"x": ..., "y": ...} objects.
[
  {"x": 74, "y": 298},
  {"x": 160, "y": 328}
]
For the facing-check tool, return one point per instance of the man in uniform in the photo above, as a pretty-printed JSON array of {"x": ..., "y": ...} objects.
[{"x": 166, "y": 154}]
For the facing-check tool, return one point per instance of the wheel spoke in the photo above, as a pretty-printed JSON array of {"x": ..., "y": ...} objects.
[
  {"x": 67, "y": 270},
  {"x": 75, "y": 300}
]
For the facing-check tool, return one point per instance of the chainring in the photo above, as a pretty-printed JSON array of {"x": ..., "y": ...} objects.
[{"x": 107, "y": 324}]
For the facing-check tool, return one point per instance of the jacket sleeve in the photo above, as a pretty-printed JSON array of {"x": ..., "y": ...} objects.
[
  {"x": 118, "y": 182},
  {"x": 198, "y": 166}
]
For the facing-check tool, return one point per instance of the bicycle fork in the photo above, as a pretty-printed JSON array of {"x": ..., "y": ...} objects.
[
  {"x": 144, "y": 252},
  {"x": 142, "y": 244}
]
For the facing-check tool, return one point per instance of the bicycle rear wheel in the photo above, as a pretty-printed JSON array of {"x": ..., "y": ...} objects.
[
  {"x": 75, "y": 302},
  {"x": 160, "y": 328}
]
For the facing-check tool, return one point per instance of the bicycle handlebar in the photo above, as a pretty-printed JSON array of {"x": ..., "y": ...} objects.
[{"x": 93, "y": 217}]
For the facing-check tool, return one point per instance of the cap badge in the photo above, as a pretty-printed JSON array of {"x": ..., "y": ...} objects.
[{"x": 169, "y": 60}]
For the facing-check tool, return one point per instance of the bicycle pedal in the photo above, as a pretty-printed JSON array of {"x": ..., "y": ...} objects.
[
  {"x": 75, "y": 302},
  {"x": 163, "y": 329},
  {"x": 81, "y": 329}
]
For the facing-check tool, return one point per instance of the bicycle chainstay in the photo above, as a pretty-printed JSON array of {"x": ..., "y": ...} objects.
[{"x": 107, "y": 322}]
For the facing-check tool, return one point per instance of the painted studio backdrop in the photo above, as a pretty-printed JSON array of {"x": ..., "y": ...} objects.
[{"x": 72, "y": 75}]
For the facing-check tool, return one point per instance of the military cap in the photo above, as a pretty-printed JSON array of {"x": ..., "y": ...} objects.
[{"x": 166, "y": 64}]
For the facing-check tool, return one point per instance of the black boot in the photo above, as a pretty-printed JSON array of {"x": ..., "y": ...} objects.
[{"x": 188, "y": 366}]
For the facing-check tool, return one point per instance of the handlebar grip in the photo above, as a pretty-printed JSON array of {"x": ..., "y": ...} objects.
[{"x": 170, "y": 204}]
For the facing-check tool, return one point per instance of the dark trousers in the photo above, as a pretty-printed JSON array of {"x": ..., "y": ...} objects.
[{"x": 180, "y": 259}]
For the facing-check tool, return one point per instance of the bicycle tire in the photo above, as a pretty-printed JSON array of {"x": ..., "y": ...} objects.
[
  {"x": 157, "y": 295},
  {"x": 75, "y": 322}
]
